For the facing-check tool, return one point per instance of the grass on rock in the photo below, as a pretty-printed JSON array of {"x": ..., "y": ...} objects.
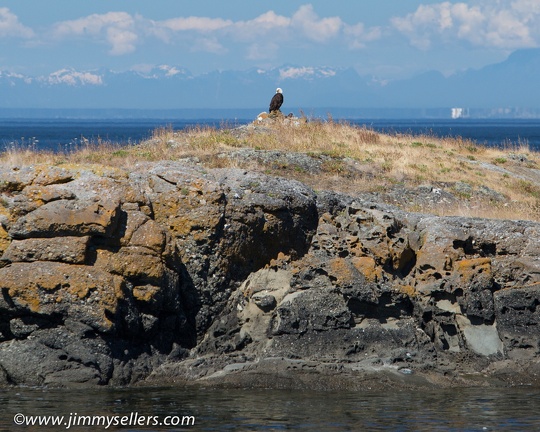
[{"x": 352, "y": 160}]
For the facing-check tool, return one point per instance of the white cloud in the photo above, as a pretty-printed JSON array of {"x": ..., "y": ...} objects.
[
  {"x": 470, "y": 21},
  {"x": 261, "y": 37},
  {"x": 11, "y": 27},
  {"x": 313, "y": 27},
  {"x": 358, "y": 35},
  {"x": 506, "y": 30},
  {"x": 205, "y": 30},
  {"x": 528, "y": 9},
  {"x": 505, "y": 24},
  {"x": 116, "y": 28},
  {"x": 122, "y": 41},
  {"x": 266, "y": 26},
  {"x": 270, "y": 20},
  {"x": 198, "y": 24},
  {"x": 265, "y": 33}
]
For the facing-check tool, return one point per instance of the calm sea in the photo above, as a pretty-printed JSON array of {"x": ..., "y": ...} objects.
[
  {"x": 67, "y": 134},
  {"x": 477, "y": 409},
  {"x": 489, "y": 132}
]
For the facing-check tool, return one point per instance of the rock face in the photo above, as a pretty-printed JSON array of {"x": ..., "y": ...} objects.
[{"x": 171, "y": 272}]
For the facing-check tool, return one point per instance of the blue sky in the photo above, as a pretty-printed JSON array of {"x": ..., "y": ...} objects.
[{"x": 388, "y": 39}]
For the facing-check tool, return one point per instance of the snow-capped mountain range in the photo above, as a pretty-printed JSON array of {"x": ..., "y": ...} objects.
[{"x": 513, "y": 82}]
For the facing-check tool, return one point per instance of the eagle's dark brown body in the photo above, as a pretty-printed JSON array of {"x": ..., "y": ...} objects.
[{"x": 277, "y": 101}]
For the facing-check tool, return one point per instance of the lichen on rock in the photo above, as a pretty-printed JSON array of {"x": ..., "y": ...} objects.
[{"x": 174, "y": 272}]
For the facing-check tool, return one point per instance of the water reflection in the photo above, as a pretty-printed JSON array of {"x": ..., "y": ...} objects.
[{"x": 271, "y": 410}]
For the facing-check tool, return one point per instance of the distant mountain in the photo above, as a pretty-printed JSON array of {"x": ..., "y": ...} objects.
[
  {"x": 512, "y": 83},
  {"x": 167, "y": 87}
]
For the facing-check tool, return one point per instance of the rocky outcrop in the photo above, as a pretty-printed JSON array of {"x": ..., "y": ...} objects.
[{"x": 170, "y": 272}]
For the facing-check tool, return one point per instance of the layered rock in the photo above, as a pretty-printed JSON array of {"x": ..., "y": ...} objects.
[
  {"x": 171, "y": 272},
  {"x": 142, "y": 262}
]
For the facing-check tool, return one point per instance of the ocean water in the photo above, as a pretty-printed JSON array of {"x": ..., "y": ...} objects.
[
  {"x": 205, "y": 409},
  {"x": 489, "y": 132},
  {"x": 67, "y": 134}
]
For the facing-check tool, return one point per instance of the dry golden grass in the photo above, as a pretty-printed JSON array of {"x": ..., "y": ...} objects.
[{"x": 356, "y": 159}]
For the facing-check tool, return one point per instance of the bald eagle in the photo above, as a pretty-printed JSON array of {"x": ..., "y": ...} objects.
[{"x": 277, "y": 101}]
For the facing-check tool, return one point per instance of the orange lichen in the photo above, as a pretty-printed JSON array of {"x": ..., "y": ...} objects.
[
  {"x": 146, "y": 293},
  {"x": 342, "y": 270},
  {"x": 407, "y": 290},
  {"x": 368, "y": 267},
  {"x": 4, "y": 240},
  {"x": 468, "y": 268}
]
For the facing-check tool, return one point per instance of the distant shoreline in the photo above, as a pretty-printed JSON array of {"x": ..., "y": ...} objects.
[{"x": 342, "y": 113}]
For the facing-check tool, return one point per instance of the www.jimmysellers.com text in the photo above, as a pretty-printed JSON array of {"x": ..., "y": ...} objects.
[{"x": 104, "y": 421}]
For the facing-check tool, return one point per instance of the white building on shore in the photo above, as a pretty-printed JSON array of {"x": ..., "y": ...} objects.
[{"x": 460, "y": 113}]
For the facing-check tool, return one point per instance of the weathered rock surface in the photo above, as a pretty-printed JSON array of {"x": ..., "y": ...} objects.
[{"x": 172, "y": 273}]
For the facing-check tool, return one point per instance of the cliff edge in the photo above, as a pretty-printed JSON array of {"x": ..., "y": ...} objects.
[{"x": 172, "y": 272}]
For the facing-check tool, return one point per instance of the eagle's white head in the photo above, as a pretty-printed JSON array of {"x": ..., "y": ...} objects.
[{"x": 278, "y": 90}]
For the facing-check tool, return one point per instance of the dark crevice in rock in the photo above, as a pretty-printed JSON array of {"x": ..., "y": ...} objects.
[
  {"x": 386, "y": 308},
  {"x": 472, "y": 246},
  {"x": 167, "y": 180},
  {"x": 7, "y": 298}
]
